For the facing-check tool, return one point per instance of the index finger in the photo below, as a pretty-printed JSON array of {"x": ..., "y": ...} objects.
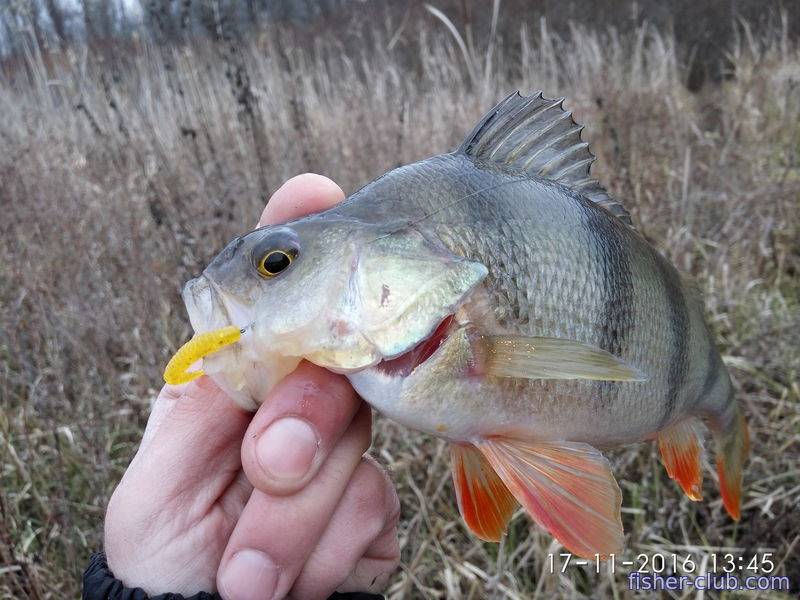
[
  {"x": 300, "y": 196},
  {"x": 296, "y": 429}
]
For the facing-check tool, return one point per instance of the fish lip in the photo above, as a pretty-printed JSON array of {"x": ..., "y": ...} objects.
[
  {"x": 206, "y": 313},
  {"x": 219, "y": 298}
]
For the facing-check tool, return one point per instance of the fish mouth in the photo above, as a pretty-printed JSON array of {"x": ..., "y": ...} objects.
[
  {"x": 207, "y": 307},
  {"x": 404, "y": 364}
]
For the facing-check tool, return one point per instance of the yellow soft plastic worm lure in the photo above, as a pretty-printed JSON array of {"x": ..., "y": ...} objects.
[{"x": 177, "y": 370}]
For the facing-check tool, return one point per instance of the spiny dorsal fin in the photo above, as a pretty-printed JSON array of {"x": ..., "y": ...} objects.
[{"x": 537, "y": 136}]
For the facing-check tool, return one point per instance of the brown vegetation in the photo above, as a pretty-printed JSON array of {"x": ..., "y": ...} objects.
[{"x": 118, "y": 184}]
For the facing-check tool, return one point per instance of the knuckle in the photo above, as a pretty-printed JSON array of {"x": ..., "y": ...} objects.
[
  {"x": 112, "y": 523},
  {"x": 373, "y": 497},
  {"x": 121, "y": 525},
  {"x": 313, "y": 393},
  {"x": 337, "y": 389},
  {"x": 128, "y": 519},
  {"x": 118, "y": 511}
]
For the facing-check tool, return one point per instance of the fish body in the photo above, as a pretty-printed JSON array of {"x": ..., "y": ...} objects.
[
  {"x": 559, "y": 266},
  {"x": 499, "y": 298}
]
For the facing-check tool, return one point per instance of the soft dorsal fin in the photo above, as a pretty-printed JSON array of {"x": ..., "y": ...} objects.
[
  {"x": 693, "y": 290},
  {"x": 535, "y": 135}
]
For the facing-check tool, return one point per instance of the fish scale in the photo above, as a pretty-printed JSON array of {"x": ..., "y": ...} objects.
[
  {"x": 497, "y": 297},
  {"x": 544, "y": 282},
  {"x": 566, "y": 305}
]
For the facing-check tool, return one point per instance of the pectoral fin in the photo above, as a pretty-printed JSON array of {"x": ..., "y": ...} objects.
[
  {"x": 551, "y": 358},
  {"x": 483, "y": 499},
  {"x": 681, "y": 453},
  {"x": 567, "y": 487}
]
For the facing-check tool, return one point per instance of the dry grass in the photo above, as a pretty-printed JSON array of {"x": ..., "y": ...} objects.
[{"x": 118, "y": 182}]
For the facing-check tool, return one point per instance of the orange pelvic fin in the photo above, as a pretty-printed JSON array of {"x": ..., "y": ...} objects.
[
  {"x": 681, "y": 452},
  {"x": 483, "y": 499},
  {"x": 567, "y": 487},
  {"x": 733, "y": 446}
]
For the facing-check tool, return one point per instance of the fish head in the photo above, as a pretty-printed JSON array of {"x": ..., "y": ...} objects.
[{"x": 338, "y": 292}]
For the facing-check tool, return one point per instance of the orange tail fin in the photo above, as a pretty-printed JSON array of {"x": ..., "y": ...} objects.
[
  {"x": 567, "y": 487},
  {"x": 733, "y": 445},
  {"x": 484, "y": 500},
  {"x": 681, "y": 452}
]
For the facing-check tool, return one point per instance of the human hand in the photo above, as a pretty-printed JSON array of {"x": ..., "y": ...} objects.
[{"x": 276, "y": 504}]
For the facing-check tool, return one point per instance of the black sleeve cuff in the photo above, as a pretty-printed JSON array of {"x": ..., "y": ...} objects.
[{"x": 99, "y": 583}]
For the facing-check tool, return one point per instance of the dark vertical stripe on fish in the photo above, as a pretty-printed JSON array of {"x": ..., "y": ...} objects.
[
  {"x": 678, "y": 320},
  {"x": 713, "y": 364},
  {"x": 617, "y": 316}
]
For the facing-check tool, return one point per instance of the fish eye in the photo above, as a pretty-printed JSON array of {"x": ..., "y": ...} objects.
[{"x": 274, "y": 261}]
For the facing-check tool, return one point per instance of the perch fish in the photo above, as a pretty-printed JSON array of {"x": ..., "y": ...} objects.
[{"x": 496, "y": 297}]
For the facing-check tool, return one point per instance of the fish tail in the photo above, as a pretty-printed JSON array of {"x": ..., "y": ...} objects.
[{"x": 732, "y": 445}]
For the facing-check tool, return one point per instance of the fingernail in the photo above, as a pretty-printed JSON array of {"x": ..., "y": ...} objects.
[
  {"x": 287, "y": 448},
  {"x": 249, "y": 575}
]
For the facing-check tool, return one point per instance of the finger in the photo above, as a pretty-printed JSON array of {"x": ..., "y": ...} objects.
[
  {"x": 296, "y": 428},
  {"x": 275, "y": 534},
  {"x": 373, "y": 572},
  {"x": 359, "y": 549},
  {"x": 301, "y": 195},
  {"x": 196, "y": 439},
  {"x": 163, "y": 404}
]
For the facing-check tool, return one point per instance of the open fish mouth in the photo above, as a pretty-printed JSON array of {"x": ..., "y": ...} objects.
[
  {"x": 404, "y": 364},
  {"x": 210, "y": 309},
  {"x": 211, "y": 321},
  {"x": 206, "y": 309}
]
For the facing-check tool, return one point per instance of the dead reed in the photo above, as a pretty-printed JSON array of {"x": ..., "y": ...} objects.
[{"x": 120, "y": 179}]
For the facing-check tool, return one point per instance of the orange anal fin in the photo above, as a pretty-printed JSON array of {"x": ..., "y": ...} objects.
[
  {"x": 483, "y": 499},
  {"x": 567, "y": 487},
  {"x": 681, "y": 452}
]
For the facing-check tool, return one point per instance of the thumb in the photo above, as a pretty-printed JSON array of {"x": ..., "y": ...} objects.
[
  {"x": 194, "y": 432},
  {"x": 162, "y": 405},
  {"x": 199, "y": 396}
]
